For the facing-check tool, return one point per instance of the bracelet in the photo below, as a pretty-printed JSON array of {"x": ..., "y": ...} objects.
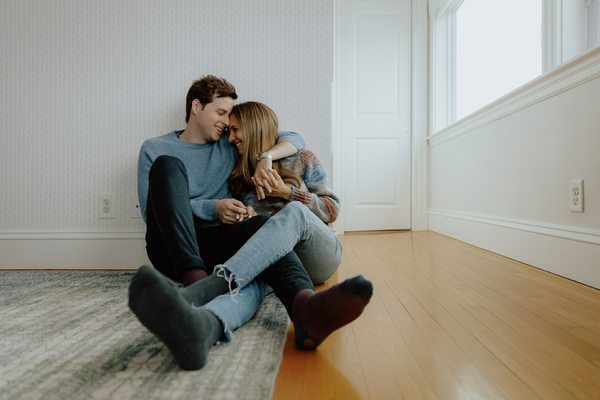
[{"x": 261, "y": 156}]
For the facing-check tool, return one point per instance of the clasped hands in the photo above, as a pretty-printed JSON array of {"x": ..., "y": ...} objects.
[{"x": 267, "y": 182}]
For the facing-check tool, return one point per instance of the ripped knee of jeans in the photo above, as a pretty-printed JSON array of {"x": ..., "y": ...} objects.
[{"x": 230, "y": 278}]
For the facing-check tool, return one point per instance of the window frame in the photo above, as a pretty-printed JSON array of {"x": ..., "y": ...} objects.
[{"x": 562, "y": 40}]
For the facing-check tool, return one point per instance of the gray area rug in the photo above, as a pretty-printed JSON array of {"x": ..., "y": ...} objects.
[{"x": 70, "y": 335}]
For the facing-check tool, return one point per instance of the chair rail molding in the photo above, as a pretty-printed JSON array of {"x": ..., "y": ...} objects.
[{"x": 570, "y": 75}]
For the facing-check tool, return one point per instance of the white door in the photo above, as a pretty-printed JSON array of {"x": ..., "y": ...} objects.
[{"x": 375, "y": 114}]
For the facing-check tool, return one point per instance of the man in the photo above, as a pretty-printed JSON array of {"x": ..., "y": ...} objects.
[
  {"x": 177, "y": 211},
  {"x": 213, "y": 244}
]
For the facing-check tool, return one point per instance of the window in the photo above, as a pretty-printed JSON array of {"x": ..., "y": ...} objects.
[
  {"x": 483, "y": 49},
  {"x": 498, "y": 48}
]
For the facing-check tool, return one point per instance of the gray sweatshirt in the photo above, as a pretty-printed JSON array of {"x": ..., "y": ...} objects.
[{"x": 208, "y": 167}]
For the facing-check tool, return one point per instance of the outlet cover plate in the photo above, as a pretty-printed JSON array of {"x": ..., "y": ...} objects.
[
  {"x": 576, "y": 195},
  {"x": 106, "y": 205}
]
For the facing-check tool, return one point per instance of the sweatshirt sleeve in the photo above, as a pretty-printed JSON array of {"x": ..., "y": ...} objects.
[
  {"x": 294, "y": 138},
  {"x": 144, "y": 164},
  {"x": 205, "y": 209},
  {"x": 319, "y": 198}
]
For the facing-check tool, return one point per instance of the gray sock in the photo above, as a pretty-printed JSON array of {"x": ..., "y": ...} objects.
[
  {"x": 203, "y": 291},
  {"x": 187, "y": 331}
]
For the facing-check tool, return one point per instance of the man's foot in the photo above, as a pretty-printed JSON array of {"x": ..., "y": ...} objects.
[
  {"x": 187, "y": 331},
  {"x": 317, "y": 315},
  {"x": 201, "y": 292}
]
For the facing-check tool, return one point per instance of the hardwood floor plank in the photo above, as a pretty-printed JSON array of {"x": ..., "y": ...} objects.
[
  {"x": 435, "y": 302},
  {"x": 451, "y": 321},
  {"x": 536, "y": 314},
  {"x": 588, "y": 336},
  {"x": 461, "y": 328},
  {"x": 446, "y": 367},
  {"x": 537, "y": 354},
  {"x": 544, "y": 387}
]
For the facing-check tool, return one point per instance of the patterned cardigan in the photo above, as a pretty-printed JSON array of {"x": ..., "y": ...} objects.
[{"x": 314, "y": 192}]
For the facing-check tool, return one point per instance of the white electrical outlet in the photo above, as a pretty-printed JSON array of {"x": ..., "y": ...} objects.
[
  {"x": 106, "y": 206},
  {"x": 576, "y": 195}
]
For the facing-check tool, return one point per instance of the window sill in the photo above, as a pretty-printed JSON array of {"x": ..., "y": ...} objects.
[{"x": 567, "y": 76}]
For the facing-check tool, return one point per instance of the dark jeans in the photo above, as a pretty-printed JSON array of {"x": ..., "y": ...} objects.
[{"x": 175, "y": 241}]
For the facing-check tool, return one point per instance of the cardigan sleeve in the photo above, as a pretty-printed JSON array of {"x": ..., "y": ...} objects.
[{"x": 319, "y": 197}]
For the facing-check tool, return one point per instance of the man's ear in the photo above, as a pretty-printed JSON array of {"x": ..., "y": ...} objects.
[{"x": 196, "y": 106}]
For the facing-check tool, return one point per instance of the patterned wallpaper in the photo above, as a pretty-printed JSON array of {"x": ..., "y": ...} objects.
[{"x": 83, "y": 83}]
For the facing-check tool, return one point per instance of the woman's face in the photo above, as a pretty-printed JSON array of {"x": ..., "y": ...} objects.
[{"x": 236, "y": 135}]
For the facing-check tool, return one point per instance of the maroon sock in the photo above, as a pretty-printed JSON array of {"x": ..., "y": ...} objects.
[
  {"x": 193, "y": 275},
  {"x": 317, "y": 315}
]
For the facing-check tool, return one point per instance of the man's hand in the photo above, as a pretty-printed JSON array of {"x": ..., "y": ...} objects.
[
  {"x": 231, "y": 211},
  {"x": 277, "y": 185},
  {"x": 251, "y": 212}
]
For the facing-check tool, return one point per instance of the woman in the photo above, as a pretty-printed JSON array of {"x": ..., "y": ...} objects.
[{"x": 253, "y": 130}]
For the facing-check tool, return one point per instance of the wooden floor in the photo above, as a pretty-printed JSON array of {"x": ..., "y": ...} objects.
[{"x": 450, "y": 321}]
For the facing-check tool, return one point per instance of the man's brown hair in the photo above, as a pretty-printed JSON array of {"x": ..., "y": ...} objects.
[{"x": 205, "y": 89}]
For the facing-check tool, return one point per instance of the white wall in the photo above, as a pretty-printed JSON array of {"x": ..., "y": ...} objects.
[
  {"x": 83, "y": 83},
  {"x": 499, "y": 178}
]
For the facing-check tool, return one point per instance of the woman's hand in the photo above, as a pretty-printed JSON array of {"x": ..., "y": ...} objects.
[
  {"x": 261, "y": 180},
  {"x": 277, "y": 187}
]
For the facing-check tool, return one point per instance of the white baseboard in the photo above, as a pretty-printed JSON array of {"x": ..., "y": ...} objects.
[
  {"x": 573, "y": 253},
  {"x": 110, "y": 250}
]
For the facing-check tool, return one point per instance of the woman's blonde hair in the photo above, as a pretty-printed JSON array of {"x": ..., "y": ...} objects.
[{"x": 260, "y": 126}]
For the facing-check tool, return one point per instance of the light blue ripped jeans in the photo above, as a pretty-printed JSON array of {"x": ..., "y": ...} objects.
[
  {"x": 235, "y": 312},
  {"x": 294, "y": 227}
]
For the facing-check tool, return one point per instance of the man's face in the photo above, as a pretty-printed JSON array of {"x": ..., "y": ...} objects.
[
  {"x": 213, "y": 118},
  {"x": 236, "y": 136}
]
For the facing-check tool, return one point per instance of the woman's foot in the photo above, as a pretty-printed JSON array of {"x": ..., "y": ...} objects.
[{"x": 317, "y": 314}]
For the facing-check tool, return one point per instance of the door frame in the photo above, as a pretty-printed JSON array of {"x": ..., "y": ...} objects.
[{"x": 419, "y": 112}]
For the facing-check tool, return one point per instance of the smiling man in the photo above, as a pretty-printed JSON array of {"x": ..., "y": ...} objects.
[{"x": 178, "y": 211}]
